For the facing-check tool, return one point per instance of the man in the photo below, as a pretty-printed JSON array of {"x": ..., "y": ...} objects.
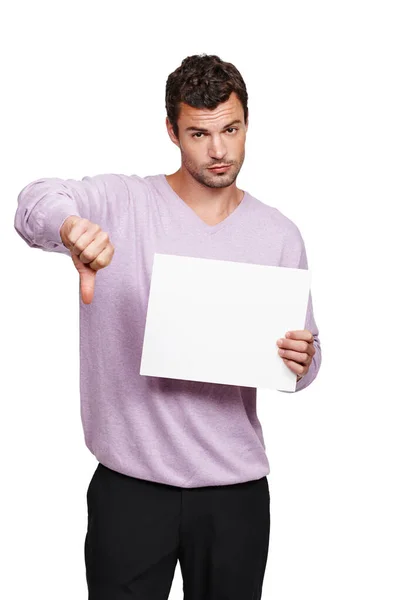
[{"x": 182, "y": 464}]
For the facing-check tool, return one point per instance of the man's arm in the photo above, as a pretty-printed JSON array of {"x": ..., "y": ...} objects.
[
  {"x": 311, "y": 326},
  {"x": 45, "y": 204}
]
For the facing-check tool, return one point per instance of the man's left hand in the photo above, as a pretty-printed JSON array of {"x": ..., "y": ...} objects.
[{"x": 297, "y": 350}]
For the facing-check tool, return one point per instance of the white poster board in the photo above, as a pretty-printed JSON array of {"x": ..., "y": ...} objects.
[{"x": 218, "y": 321}]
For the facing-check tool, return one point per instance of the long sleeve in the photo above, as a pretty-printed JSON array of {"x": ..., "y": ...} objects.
[
  {"x": 311, "y": 325},
  {"x": 316, "y": 360},
  {"x": 44, "y": 205}
]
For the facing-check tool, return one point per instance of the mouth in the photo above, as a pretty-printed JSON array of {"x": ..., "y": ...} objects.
[{"x": 219, "y": 169}]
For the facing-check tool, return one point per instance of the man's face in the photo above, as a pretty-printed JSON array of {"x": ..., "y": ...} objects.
[{"x": 212, "y": 137}]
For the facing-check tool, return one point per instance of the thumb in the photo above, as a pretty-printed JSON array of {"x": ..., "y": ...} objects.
[
  {"x": 87, "y": 277},
  {"x": 87, "y": 280}
]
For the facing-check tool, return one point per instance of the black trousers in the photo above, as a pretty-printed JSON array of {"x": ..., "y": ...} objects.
[{"x": 138, "y": 530}]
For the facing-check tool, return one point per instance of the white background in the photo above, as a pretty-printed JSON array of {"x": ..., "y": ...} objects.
[{"x": 83, "y": 87}]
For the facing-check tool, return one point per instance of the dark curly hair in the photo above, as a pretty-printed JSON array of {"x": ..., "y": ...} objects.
[{"x": 203, "y": 81}]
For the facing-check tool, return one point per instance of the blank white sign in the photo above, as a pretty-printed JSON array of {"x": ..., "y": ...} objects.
[{"x": 218, "y": 321}]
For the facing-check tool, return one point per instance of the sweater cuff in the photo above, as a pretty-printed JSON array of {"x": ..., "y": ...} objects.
[
  {"x": 306, "y": 379},
  {"x": 50, "y": 225}
]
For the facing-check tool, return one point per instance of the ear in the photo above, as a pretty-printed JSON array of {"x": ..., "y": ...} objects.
[
  {"x": 247, "y": 124},
  {"x": 171, "y": 133}
]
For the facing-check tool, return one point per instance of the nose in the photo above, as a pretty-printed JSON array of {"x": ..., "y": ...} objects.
[{"x": 217, "y": 149}]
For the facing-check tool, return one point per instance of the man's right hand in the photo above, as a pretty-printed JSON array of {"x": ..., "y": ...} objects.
[{"x": 90, "y": 249}]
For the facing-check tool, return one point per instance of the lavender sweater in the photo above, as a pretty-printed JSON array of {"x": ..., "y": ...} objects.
[{"x": 182, "y": 433}]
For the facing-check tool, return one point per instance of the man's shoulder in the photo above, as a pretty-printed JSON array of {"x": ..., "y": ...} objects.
[
  {"x": 274, "y": 217},
  {"x": 122, "y": 184},
  {"x": 116, "y": 179}
]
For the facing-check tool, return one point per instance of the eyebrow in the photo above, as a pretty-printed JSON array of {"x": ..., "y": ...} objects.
[{"x": 206, "y": 130}]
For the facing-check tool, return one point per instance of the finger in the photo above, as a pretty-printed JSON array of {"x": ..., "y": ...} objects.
[
  {"x": 78, "y": 228},
  {"x": 300, "y": 334},
  {"x": 87, "y": 281},
  {"x": 296, "y": 345},
  {"x": 300, "y": 357},
  {"x": 83, "y": 236},
  {"x": 295, "y": 367},
  {"x": 94, "y": 248},
  {"x": 103, "y": 259},
  {"x": 296, "y": 358}
]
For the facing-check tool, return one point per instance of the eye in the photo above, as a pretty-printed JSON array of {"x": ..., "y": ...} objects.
[{"x": 200, "y": 133}]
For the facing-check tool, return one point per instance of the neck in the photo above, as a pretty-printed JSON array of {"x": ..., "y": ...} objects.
[{"x": 206, "y": 201}]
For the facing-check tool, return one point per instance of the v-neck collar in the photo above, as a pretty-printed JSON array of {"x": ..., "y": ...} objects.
[{"x": 202, "y": 225}]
